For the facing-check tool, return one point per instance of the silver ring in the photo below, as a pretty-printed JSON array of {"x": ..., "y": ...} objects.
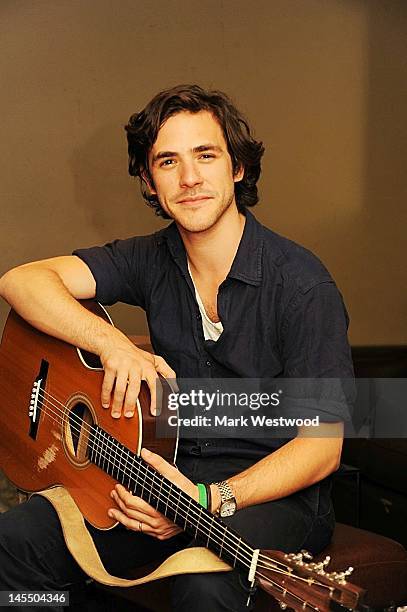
[{"x": 140, "y": 526}]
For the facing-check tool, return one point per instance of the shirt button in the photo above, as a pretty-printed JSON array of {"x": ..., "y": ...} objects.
[
  {"x": 198, "y": 316},
  {"x": 209, "y": 363}
]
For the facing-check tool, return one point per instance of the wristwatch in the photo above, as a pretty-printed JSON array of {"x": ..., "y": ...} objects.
[{"x": 227, "y": 500}]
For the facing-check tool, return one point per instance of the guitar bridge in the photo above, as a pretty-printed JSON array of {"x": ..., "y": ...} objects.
[{"x": 37, "y": 399}]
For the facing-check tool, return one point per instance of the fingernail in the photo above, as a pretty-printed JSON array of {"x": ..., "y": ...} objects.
[
  {"x": 129, "y": 413},
  {"x": 110, "y": 513},
  {"x": 105, "y": 405},
  {"x": 116, "y": 415}
]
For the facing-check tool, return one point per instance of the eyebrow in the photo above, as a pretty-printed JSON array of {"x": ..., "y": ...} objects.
[{"x": 199, "y": 149}]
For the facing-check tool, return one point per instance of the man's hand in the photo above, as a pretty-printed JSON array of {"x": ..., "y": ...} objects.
[
  {"x": 125, "y": 367},
  {"x": 46, "y": 293},
  {"x": 137, "y": 514}
]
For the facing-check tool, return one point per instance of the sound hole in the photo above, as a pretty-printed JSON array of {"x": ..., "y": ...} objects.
[{"x": 77, "y": 432}]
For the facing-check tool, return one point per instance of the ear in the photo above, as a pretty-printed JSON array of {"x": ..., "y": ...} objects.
[
  {"x": 147, "y": 179},
  {"x": 239, "y": 174}
]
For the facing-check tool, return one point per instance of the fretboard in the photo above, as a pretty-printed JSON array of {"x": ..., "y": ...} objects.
[{"x": 142, "y": 480}]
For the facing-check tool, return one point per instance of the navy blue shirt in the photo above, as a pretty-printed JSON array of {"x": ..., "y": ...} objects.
[{"x": 281, "y": 311}]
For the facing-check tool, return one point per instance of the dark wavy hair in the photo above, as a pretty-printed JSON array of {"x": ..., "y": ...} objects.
[{"x": 143, "y": 127}]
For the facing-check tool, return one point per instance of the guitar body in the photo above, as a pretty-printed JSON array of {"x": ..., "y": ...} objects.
[{"x": 57, "y": 453}]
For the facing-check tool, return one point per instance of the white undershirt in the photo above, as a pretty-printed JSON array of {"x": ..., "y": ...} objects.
[{"x": 211, "y": 330}]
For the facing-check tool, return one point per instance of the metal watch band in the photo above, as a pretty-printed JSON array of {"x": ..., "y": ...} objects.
[{"x": 225, "y": 490}]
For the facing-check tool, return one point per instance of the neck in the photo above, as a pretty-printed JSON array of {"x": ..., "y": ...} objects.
[
  {"x": 212, "y": 251},
  {"x": 140, "y": 479}
]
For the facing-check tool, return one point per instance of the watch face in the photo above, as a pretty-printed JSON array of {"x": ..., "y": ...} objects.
[{"x": 228, "y": 508}]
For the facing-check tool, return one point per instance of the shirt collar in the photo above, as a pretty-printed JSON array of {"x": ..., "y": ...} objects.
[{"x": 247, "y": 265}]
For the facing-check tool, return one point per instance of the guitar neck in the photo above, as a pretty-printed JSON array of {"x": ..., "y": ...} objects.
[{"x": 142, "y": 480}]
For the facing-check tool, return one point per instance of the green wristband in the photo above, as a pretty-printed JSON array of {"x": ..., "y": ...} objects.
[{"x": 203, "y": 498}]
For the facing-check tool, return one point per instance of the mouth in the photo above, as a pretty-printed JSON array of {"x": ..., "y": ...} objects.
[{"x": 194, "y": 200}]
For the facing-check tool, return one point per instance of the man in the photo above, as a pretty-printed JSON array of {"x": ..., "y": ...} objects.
[{"x": 225, "y": 297}]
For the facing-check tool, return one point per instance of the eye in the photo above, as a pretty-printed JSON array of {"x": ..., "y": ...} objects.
[
  {"x": 207, "y": 156},
  {"x": 166, "y": 162}
]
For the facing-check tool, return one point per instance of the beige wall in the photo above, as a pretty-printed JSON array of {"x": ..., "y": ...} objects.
[{"x": 323, "y": 82}]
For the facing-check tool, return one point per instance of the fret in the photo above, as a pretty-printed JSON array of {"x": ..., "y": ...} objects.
[
  {"x": 104, "y": 451},
  {"x": 126, "y": 470},
  {"x": 176, "y": 507},
  {"x": 222, "y": 543},
  {"x": 151, "y": 487},
  {"x": 144, "y": 482},
  {"x": 138, "y": 475},
  {"x": 109, "y": 457},
  {"x": 118, "y": 458},
  {"x": 159, "y": 493},
  {"x": 112, "y": 455},
  {"x": 187, "y": 514},
  {"x": 197, "y": 523},
  {"x": 236, "y": 551},
  {"x": 131, "y": 471},
  {"x": 135, "y": 479},
  {"x": 95, "y": 433},
  {"x": 210, "y": 529},
  {"x": 166, "y": 501},
  {"x": 101, "y": 445},
  {"x": 98, "y": 455}
]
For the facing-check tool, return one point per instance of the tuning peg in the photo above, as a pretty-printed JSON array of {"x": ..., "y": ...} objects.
[
  {"x": 282, "y": 605},
  {"x": 306, "y": 555}
]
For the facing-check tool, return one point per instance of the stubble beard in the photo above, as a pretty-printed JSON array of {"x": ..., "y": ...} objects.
[{"x": 203, "y": 219}]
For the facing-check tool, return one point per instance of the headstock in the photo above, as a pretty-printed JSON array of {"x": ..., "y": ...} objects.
[{"x": 301, "y": 584}]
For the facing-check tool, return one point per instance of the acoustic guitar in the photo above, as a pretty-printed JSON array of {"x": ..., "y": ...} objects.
[{"x": 54, "y": 433}]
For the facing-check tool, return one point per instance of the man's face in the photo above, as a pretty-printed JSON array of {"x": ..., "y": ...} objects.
[{"x": 192, "y": 170}]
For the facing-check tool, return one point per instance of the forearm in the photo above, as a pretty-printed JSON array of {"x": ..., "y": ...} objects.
[
  {"x": 296, "y": 465},
  {"x": 41, "y": 298}
]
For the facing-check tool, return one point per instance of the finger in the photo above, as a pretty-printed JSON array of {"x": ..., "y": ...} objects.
[
  {"x": 119, "y": 393},
  {"x": 107, "y": 386},
  {"x": 159, "y": 463},
  {"x": 132, "y": 393},
  {"x": 162, "y": 366},
  {"x": 136, "y": 503},
  {"x": 165, "y": 370},
  {"x": 158, "y": 524},
  {"x": 169, "y": 534},
  {"x": 128, "y": 522},
  {"x": 151, "y": 379},
  {"x": 134, "y": 525}
]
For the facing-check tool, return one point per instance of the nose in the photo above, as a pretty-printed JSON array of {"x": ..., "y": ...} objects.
[{"x": 190, "y": 175}]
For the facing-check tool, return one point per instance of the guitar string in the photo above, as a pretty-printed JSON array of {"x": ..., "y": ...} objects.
[{"x": 246, "y": 561}]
